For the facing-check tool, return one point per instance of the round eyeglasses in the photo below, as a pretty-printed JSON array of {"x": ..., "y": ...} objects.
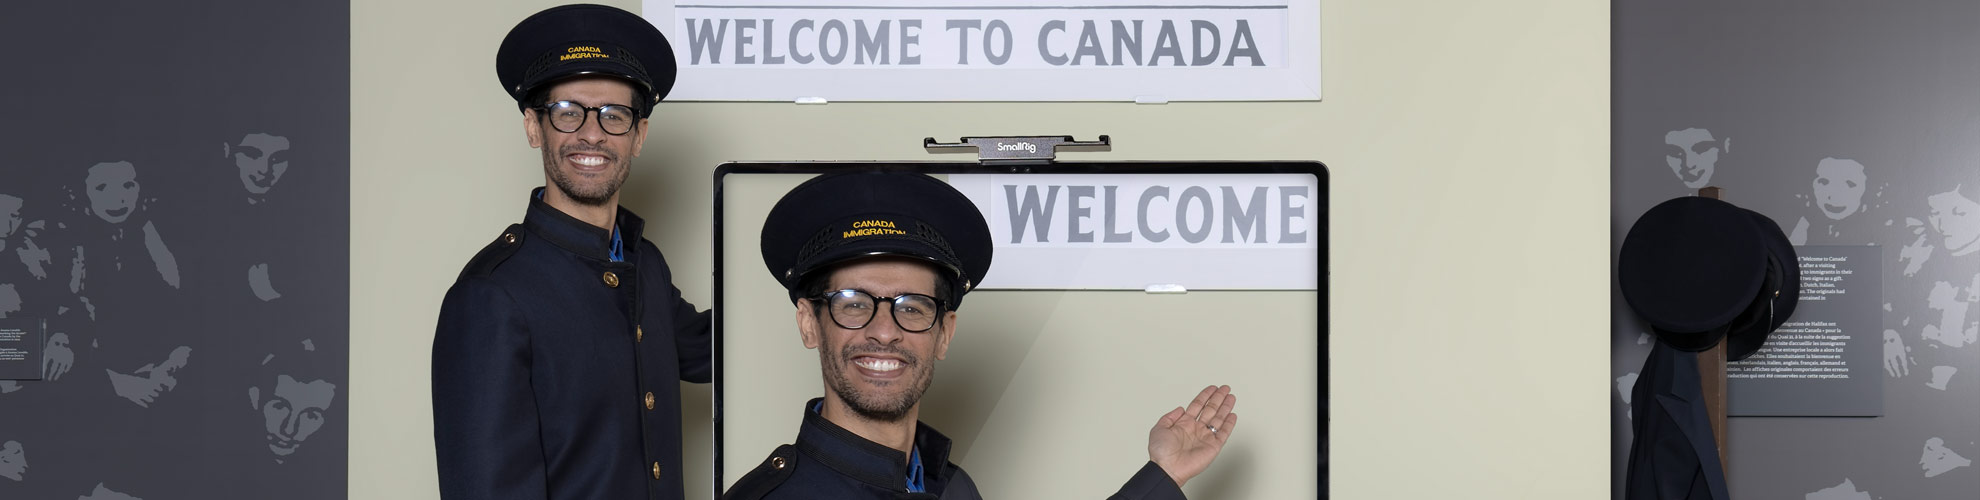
[
  {"x": 569, "y": 116},
  {"x": 853, "y": 309}
]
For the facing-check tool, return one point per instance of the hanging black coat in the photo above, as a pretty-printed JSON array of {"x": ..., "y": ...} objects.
[{"x": 1673, "y": 456}]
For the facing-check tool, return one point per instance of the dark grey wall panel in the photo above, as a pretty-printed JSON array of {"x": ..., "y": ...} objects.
[
  {"x": 1847, "y": 123},
  {"x": 174, "y": 202}
]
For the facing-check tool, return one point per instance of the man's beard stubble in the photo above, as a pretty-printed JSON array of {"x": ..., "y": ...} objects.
[
  {"x": 879, "y": 409},
  {"x": 552, "y": 164}
]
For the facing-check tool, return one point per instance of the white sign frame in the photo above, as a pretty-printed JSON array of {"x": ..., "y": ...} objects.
[
  {"x": 1053, "y": 231},
  {"x": 1286, "y": 36}
]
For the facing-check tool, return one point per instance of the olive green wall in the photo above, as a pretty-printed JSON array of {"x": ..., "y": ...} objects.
[{"x": 1468, "y": 145}]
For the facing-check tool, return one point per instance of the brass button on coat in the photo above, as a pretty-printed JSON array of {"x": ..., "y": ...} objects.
[
  {"x": 777, "y": 463},
  {"x": 638, "y": 334},
  {"x": 649, "y": 401},
  {"x": 509, "y": 238},
  {"x": 656, "y": 470},
  {"x": 611, "y": 280}
]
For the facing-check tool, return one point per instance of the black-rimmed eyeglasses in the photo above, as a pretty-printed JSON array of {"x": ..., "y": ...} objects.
[
  {"x": 853, "y": 309},
  {"x": 569, "y": 116}
]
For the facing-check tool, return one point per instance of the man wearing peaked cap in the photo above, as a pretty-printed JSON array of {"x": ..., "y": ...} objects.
[
  {"x": 877, "y": 265},
  {"x": 561, "y": 346},
  {"x": 586, "y": 40}
]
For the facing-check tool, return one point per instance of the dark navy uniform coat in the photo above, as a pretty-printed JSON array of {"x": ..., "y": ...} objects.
[
  {"x": 829, "y": 461},
  {"x": 556, "y": 370},
  {"x": 1673, "y": 455}
]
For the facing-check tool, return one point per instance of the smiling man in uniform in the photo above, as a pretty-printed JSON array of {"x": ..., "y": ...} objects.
[
  {"x": 547, "y": 383},
  {"x": 877, "y": 265}
]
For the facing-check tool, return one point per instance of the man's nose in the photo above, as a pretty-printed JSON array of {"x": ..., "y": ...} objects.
[
  {"x": 593, "y": 129},
  {"x": 882, "y": 327}
]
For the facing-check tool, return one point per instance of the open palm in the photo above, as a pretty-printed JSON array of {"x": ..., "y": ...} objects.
[{"x": 1186, "y": 440}]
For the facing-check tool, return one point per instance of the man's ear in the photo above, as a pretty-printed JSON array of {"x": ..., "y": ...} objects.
[
  {"x": 226, "y": 150},
  {"x": 1726, "y": 145},
  {"x": 639, "y": 137},
  {"x": 942, "y": 338},
  {"x": 533, "y": 128},
  {"x": 807, "y": 323}
]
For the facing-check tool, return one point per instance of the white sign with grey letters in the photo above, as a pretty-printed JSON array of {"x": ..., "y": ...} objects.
[
  {"x": 1127, "y": 231},
  {"x": 970, "y": 50}
]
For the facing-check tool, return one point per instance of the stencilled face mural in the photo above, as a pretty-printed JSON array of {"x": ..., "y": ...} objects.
[
  {"x": 1839, "y": 186},
  {"x": 124, "y": 241},
  {"x": 113, "y": 190},
  {"x": 10, "y": 214},
  {"x": 1694, "y": 155},
  {"x": 13, "y": 461},
  {"x": 293, "y": 412},
  {"x": 261, "y": 160},
  {"x": 10, "y": 300},
  {"x": 1957, "y": 220},
  {"x": 1937, "y": 459},
  {"x": 1841, "y": 156}
]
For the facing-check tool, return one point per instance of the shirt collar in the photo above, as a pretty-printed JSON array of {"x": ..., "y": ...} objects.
[
  {"x": 870, "y": 462},
  {"x": 576, "y": 236}
]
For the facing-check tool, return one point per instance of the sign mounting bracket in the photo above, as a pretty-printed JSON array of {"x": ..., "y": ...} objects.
[{"x": 1017, "y": 150}]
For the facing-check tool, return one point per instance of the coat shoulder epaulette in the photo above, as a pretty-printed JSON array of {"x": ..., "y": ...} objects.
[
  {"x": 766, "y": 477},
  {"x": 497, "y": 252}
]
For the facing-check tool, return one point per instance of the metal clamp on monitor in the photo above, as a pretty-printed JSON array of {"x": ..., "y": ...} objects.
[{"x": 1017, "y": 150}]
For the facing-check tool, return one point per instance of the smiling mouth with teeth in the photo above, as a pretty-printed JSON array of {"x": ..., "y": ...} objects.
[
  {"x": 586, "y": 160},
  {"x": 878, "y": 364}
]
